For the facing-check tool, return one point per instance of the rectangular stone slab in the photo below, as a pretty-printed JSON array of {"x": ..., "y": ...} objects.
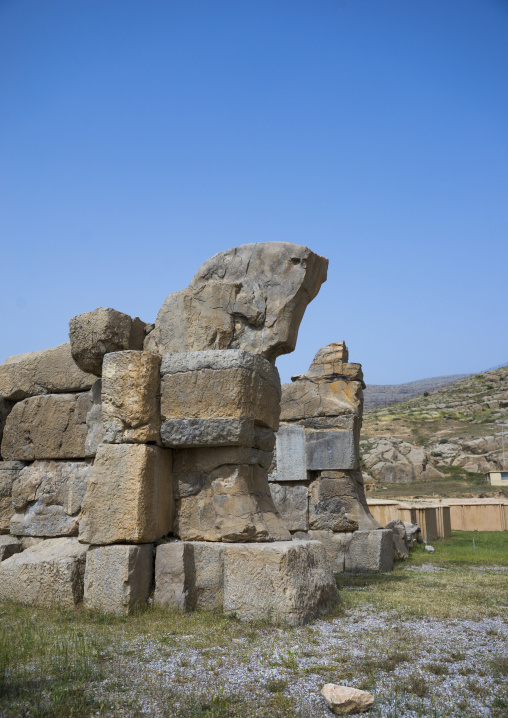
[
  {"x": 47, "y": 427},
  {"x": 290, "y": 451},
  {"x": 49, "y": 574},
  {"x": 129, "y": 496},
  {"x": 51, "y": 371},
  {"x": 118, "y": 578},
  {"x": 292, "y": 502},
  {"x": 330, "y": 450},
  {"x": 370, "y": 552},
  {"x": 285, "y": 581}
]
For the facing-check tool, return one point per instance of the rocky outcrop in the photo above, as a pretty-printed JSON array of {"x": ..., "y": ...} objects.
[
  {"x": 252, "y": 297},
  {"x": 394, "y": 461}
]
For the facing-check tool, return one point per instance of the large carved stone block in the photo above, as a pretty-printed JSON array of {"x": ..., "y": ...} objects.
[
  {"x": 288, "y": 582},
  {"x": 130, "y": 397},
  {"x": 129, "y": 497},
  {"x": 251, "y": 297},
  {"x": 5, "y": 410},
  {"x": 95, "y": 334},
  {"x": 292, "y": 502},
  {"x": 47, "y": 427},
  {"x": 328, "y": 507},
  {"x": 336, "y": 546},
  {"x": 9, "y": 472},
  {"x": 118, "y": 578},
  {"x": 233, "y": 505},
  {"x": 331, "y": 450},
  {"x": 47, "y": 497},
  {"x": 48, "y": 574},
  {"x": 370, "y": 552},
  {"x": 348, "y": 487},
  {"x": 51, "y": 371},
  {"x": 290, "y": 452},
  {"x": 215, "y": 398}
]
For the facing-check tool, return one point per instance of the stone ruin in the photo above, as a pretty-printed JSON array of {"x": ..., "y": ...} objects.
[{"x": 138, "y": 455}]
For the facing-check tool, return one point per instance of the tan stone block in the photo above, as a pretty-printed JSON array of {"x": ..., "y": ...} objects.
[
  {"x": 9, "y": 472},
  {"x": 234, "y": 505},
  {"x": 47, "y": 427},
  {"x": 130, "y": 397},
  {"x": 220, "y": 385},
  {"x": 370, "y": 552},
  {"x": 48, "y": 574},
  {"x": 51, "y": 371},
  {"x": 329, "y": 505},
  {"x": 336, "y": 546},
  {"x": 292, "y": 502},
  {"x": 9, "y": 545},
  {"x": 288, "y": 582},
  {"x": 306, "y": 398},
  {"x": 129, "y": 495},
  {"x": 47, "y": 497},
  {"x": 95, "y": 334},
  {"x": 118, "y": 578}
]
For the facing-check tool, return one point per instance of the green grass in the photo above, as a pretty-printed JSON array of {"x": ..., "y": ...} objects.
[{"x": 490, "y": 549}]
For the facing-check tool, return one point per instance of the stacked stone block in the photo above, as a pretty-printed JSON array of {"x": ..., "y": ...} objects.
[
  {"x": 134, "y": 435},
  {"x": 315, "y": 480}
]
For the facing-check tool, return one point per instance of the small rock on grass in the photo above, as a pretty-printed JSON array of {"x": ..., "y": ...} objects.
[
  {"x": 430, "y": 549},
  {"x": 345, "y": 700}
]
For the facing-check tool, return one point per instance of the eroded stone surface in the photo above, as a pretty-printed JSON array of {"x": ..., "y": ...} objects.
[
  {"x": 129, "y": 495},
  {"x": 130, "y": 397},
  {"x": 331, "y": 450},
  {"x": 292, "y": 502},
  {"x": 47, "y": 427},
  {"x": 252, "y": 297},
  {"x": 290, "y": 582},
  {"x": 47, "y": 497},
  {"x": 9, "y": 545},
  {"x": 118, "y": 578},
  {"x": 9, "y": 472},
  {"x": 94, "y": 334},
  {"x": 48, "y": 574},
  {"x": 51, "y": 371},
  {"x": 345, "y": 700},
  {"x": 290, "y": 453},
  {"x": 370, "y": 551}
]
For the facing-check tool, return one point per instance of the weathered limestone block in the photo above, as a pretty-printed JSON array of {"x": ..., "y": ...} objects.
[
  {"x": 290, "y": 452},
  {"x": 9, "y": 472},
  {"x": 5, "y": 410},
  {"x": 370, "y": 551},
  {"x": 51, "y": 371},
  {"x": 95, "y": 428},
  {"x": 95, "y": 334},
  {"x": 174, "y": 575},
  {"x": 193, "y": 433},
  {"x": 337, "y": 498},
  {"x": 233, "y": 505},
  {"x": 48, "y": 574},
  {"x": 289, "y": 582},
  {"x": 251, "y": 297},
  {"x": 190, "y": 575},
  {"x": 292, "y": 502},
  {"x": 118, "y": 578},
  {"x": 336, "y": 546},
  {"x": 331, "y": 450},
  {"x": 47, "y": 497},
  {"x": 9, "y": 545},
  {"x": 233, "y": 388},
  {"x": 129, "y": 496},
  {"x": 329, "y": 508},
  {"x": 130, "y": 397},
  {"x": 192, "y": 467},
  {"x": 47, "y": 427}
]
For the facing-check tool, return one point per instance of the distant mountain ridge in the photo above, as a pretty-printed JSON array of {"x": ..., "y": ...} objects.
[{"x": 378, "y": 395}]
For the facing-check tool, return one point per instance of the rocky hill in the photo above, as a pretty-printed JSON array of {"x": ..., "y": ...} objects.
[
  {"x": 452, "y": 433},
  {"x": 379, "y": 395}
]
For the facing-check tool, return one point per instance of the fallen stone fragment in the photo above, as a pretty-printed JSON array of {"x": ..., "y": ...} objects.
[
  {"x": 344, "y": 700},
  {"x": 251, "y": 297},
  {"x": 129, "y": 497},
  {"x": 118, "y": 578},
  {"x": 130, "y": 397},
  {"x": 47, "y": 427},
  {"x": 9, "y": 545},
  {"x": 95, "y": 334},
  {"x": 47, "y": 574},
  {"x": 47, "y": 497},
  {"x": 51, "y": 371},
  {"x": 286, "y": 581},
  {"x": 430, "y": 549},
  {"x": 370, "y": 552}
]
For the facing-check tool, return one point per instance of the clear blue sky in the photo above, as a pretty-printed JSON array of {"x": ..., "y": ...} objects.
[{"x": 139, "y": 137}]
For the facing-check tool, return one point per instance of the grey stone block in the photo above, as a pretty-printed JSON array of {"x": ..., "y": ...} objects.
[
  {"x": 336, "y": 547},
  {"x": 118, "y": 578},
  {"x": 291, "y": 501},
  {"x": 330, "y": 450},
  {"x": 291, "y": 457},
  {"x": 9, "y": 472},
  {"x": 9, "y": 545},
  {"x": 370, "y": 552},
  {"x": 188, "y": 433}
]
